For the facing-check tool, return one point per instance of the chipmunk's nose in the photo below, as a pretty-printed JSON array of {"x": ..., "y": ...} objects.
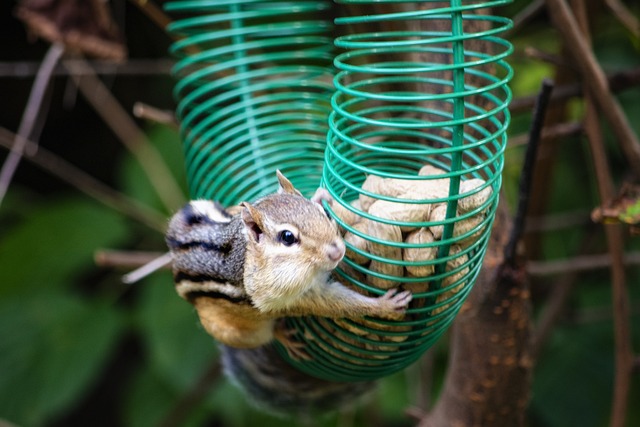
[{"x": 335, "y": 251}]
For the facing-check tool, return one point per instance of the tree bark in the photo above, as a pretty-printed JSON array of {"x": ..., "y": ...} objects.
[{"x": 489, "y": 373}]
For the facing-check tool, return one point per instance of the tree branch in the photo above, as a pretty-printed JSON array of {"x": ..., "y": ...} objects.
[
  {"x": 489, "y": 371},
  {"x": 615, "y": 243},
  {"x": 526, "y": 179},
  {"x": 595, "y": 81},
  {"x": 131, "y": 67},
  {"x": 129, "y": 134},
  {"x": 144, "y": 111},
  {"x": 87, "y": 184},
  {"x": 617, "y": 82},
  {"x": 124, "y": 259},
  {"x": 30, "y": 116},
  {"x": 625, "y": 16},
  {"x": 558, "y": 131}
]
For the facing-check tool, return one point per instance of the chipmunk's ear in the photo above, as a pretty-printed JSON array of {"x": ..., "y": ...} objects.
[
  {"x": 285, "y": 185},
  {"x": 320, "y": 195},
  {"x": 253, "y": 221}
]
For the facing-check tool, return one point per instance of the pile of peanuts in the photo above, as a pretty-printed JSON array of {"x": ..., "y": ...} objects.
[
  {"x": 474, "y": 195},
  {"x": 424, "y": 190}
]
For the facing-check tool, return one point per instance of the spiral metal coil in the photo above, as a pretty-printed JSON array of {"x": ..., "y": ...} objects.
[
  {"x": 253, "y": 90},
  {"x": 445, "y": 106},
  {"x": 253, "y": 97}
]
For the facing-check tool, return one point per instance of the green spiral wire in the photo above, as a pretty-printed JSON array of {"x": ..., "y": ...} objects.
[
  {"x": 253, "y": 97},
  {"x": 253, "y": 90},
  {"x": 446, "y": 108}
]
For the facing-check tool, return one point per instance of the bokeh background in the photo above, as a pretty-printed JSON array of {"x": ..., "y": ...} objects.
[{"x": 79, "y": 347}]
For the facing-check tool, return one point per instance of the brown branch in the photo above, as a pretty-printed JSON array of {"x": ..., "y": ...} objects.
[
  {"x": 145, "y": 270},
  {"x": 556, "y": 302},
  {"x": 31, "y": 116},
  {"x": 526, "y": 178},
  {"x": 625, "y": 16},
  {"x": 615, "y": 243},
  {"x": 578, "y": 264},
  {"x": 160, "y": 19},
  {"x": 560, "y": 130},
  {"x": 145, "y": 265},
  {"x": 595, "y": 81},
  {"x": 153, "y": 12},
  {"x": 129, "y": 134},
  {"x": 549, "y": 58},
  {"x": 617, "y": 82},
  {"x": 553, "y": 307},
  {"x": 131, "y": 67},
  {"x": 489, "y": 373},
  {"x": 87, "y": 184},
  {"x": 525, "y": 15},
  {"x": 124, "y": 259},
  {"x": 147, "y": 112},
  {"x": 558, "y": 221}
]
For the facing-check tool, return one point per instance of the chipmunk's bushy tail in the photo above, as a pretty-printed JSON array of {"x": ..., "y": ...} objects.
[{"x": 272, "y": 384}]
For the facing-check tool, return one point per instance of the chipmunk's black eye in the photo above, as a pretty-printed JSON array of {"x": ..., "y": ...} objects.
[{"x": 287, "y": 238}]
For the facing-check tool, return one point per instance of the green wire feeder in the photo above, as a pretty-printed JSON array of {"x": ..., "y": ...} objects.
[{"x": 255, "y": 95}]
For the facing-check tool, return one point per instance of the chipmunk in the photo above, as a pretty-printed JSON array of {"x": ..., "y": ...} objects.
[
  {"x": 269, "y": 260},
  {"x": 272, "y": 384}
]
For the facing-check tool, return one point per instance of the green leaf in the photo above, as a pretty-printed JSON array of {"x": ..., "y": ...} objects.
[
  {"x": 574, "y": 378},
  {"x": 52, "y": 348},
  {"x": 149, "y": 401},
  {"x": 53, "y": 242},
  {"x": 179, "y": 348}
]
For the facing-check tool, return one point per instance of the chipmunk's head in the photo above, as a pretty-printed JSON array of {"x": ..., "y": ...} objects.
[{"x": 290, "y": 236}]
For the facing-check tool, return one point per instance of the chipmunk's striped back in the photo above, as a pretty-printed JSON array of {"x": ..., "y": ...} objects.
[{"x": 207, "y": 259}]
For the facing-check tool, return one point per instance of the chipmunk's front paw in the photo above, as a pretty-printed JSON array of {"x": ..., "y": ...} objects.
[{"x": 393, "y": 304}]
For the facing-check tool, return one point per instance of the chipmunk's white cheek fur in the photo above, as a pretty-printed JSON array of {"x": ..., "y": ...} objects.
[{"x": 290, "y": 276}]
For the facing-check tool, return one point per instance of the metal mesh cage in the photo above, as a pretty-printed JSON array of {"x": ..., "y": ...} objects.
[{"x": 410, "y": 147}]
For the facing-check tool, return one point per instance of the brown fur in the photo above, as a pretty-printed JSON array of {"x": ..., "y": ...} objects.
[{"x": 279, "y": 279}]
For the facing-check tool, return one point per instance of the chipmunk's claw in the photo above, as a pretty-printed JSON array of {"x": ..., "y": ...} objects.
[{"x": 395, "y": 303}]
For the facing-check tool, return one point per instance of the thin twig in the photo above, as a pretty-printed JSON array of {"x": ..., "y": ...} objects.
[
  {"x": 84, "y": 182},
  {"x": 625, "y": 16},
  {"x": 153, "y": 12},
  {"x": 525, "y": 15},
  {"x": 131, "y": 67},
  {"x": 561, "y": 130},
  {"x": 617, "y": 82},
  {"x": 595, "y": 81},
  {"x": 558, "y": 221},
  {"x": 147, "y": 112},
  {"x": 578, "y": 264},
  {"x": 559, "y": 295},
  {"x": 30, "y": 116},
  {"x": 131, "y": 136},
  {"x": 124, "y": 259},
  {"x": 549, "y": 58},
  {"x": 160, "y": 19},
  {"x": 535, "y": 132},
  {"x": 615, "y": 244},
  {"x": 143, "y": 271}
]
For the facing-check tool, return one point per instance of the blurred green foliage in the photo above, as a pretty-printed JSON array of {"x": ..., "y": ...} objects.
[{"x": 77, "y": 347}]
